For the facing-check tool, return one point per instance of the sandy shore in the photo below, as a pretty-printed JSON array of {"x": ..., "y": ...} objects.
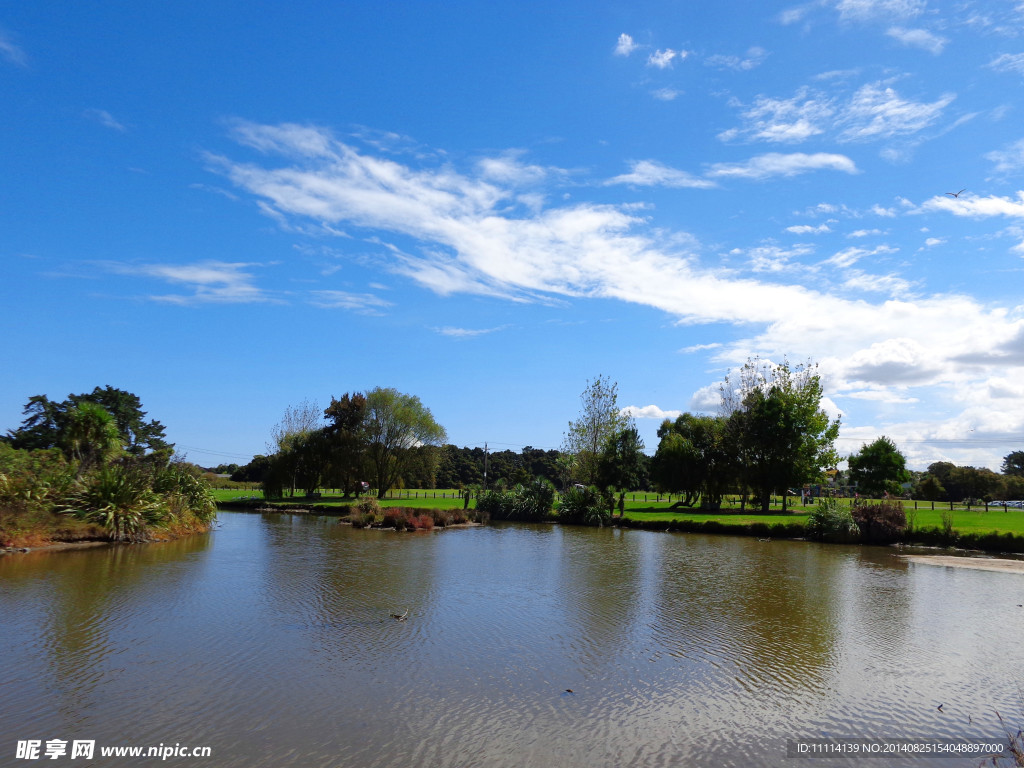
[{"x": 979, "y": 563}]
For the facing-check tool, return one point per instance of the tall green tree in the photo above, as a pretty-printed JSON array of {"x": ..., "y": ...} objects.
[
  {"x": 622, "y": 465},
  {"x": 347, "y": 437},
  {"x": 599, "y": 419},
  {"x": 46, "y": 421},
  {"x": 1013, "y": 464},
  {"x": 396, "y": 423},
  {"x": 878, "y": 468},
  {"x": 782, "y": 436}
]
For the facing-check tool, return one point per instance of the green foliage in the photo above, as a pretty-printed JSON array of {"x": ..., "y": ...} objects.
[
  {"x": 781, "y": 435},
  {"x": 527, "y": 503},
  {"x": 598, "y": 421},
  {"x": 881, "y": 523},
  {"x": 583, "y": 506},
  {"x": 46, "y": 422},
  {"x": 1013, "y": 464},
  {"x": 831, "y": 522},
  {"x": 879, "y": 468},
  {"x": 395, "y": 424},
  {"x": 622, "y": 463},
  {"x": 695, "y": 458},
  {"x": 119, "y": 497}
]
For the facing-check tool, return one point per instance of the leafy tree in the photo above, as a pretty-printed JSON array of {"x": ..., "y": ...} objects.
[
  {"x": 878, "y": 468},
  {"x": 695, "y": 458},
  {"x": 395, "y": 424},
  {"x": 621, "y": 464},
  {"x": 347, "y": 438},
  {"x": 781, "y": 436},
  {"x": 1013, "y": 464},
  {"x": 599, "y": 419},
  {"x": 46, "y": 421},
  {"x": 930, "y": 489}
]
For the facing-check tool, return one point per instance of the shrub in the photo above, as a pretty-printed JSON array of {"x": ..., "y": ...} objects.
[
  {"x": 881, "y": 523},
  {"x": 496, "y": 504},
  {"x": 583, "y": 506},
  {"x": 369, "y": 508},
  {"x": 830, "y": 522},
  {"x": 394, "y": 517}
]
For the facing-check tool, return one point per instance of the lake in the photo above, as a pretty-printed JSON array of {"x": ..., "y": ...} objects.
[{"x": 271, "y": 642}]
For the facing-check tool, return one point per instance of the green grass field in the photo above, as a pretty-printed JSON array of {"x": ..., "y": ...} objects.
[{"x": 647, "y": 507}]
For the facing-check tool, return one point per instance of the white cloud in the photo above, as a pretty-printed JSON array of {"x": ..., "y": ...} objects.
[
  {"x": 875, "y": 112},
  {"x": 1008, "y": 62},
  {"x": 666, "y": 94},
  {"x": 647, "y": 173},
  {"x": 210, "y": 281},
  {"x": 662, "y": 59},
  {"x": 777, "y": 164},
  {"x": 362, "y": 303},
  {"x": 10, "y": 52},
  {"x": 865, "y": 232},
  {"x": 807, "y": 229},
  {"x": 649, "y": 412},
  {"x": 881, "y": 396},
  {"x": 105, "y": 119},
  {"x": 878, "y": 10},
  {"x": 918, "y": 38},
  {"x": 754, "y": 58},
  {"x": 1009, "y": 160},
  {"x": 772, "y": 258},
  {"x": 467, "y": 333},
  {"x": 625, "y": 45},
  {"x": 784, "y": 120},
  {"x": 976, "y": 207},
  {"x": 699, "y": 348},
  {"x": 462, "y": 236}
]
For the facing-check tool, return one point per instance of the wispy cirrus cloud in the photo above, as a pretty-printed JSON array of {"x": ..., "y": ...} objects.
[
  {"x": 1009, "y": 159},
  {"x": 873, "y": 112},
  {"x": 105, "y": 119},
  {"x": 647, "y": 173},
  {"x": 879, "y": 10},
  {"x": 11, "y": 52},
  {"x": 754, "y": 58},
  {"x": 360, "y": 303},
  {"x": 468, "y": 333},
  {"x": 461, "y": 235},
  {"x": 208, "y": 281},
  {"x": 1008, "y": 62}
]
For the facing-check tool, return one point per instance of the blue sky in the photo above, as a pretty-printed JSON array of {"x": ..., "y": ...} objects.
[{"x": 230, "y": 208}]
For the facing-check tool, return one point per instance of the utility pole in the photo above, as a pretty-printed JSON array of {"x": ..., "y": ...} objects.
[{"x": 485, "y": 466}]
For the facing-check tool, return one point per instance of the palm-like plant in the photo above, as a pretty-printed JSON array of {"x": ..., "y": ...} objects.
[{"x": 90, "y": 436}]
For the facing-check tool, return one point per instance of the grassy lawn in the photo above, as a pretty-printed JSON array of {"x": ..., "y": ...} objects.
[{"x": 640, "y": 506}]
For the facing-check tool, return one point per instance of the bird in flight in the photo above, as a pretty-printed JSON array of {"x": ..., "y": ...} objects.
[{"x": 956, "y": 194}]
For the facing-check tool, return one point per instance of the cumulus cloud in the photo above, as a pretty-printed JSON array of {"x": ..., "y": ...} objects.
[
  {"x": 662, "y": 59},
  {"x": 975, "y": 207},
  {"x": 876, "y": 112},
  {"x": 666, "y": 94},
  {"x": 1008, "y": 160},
  {"x": 649, "y": 412},
  {"x": 625, "y": 45},
  {"x": 807, "y": 229}
]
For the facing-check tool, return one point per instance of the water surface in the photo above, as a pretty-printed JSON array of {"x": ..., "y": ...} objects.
[{"x": 270, "y": 641}]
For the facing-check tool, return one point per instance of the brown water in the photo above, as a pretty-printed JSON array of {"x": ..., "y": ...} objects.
[{"x": 270, "y": 642}]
